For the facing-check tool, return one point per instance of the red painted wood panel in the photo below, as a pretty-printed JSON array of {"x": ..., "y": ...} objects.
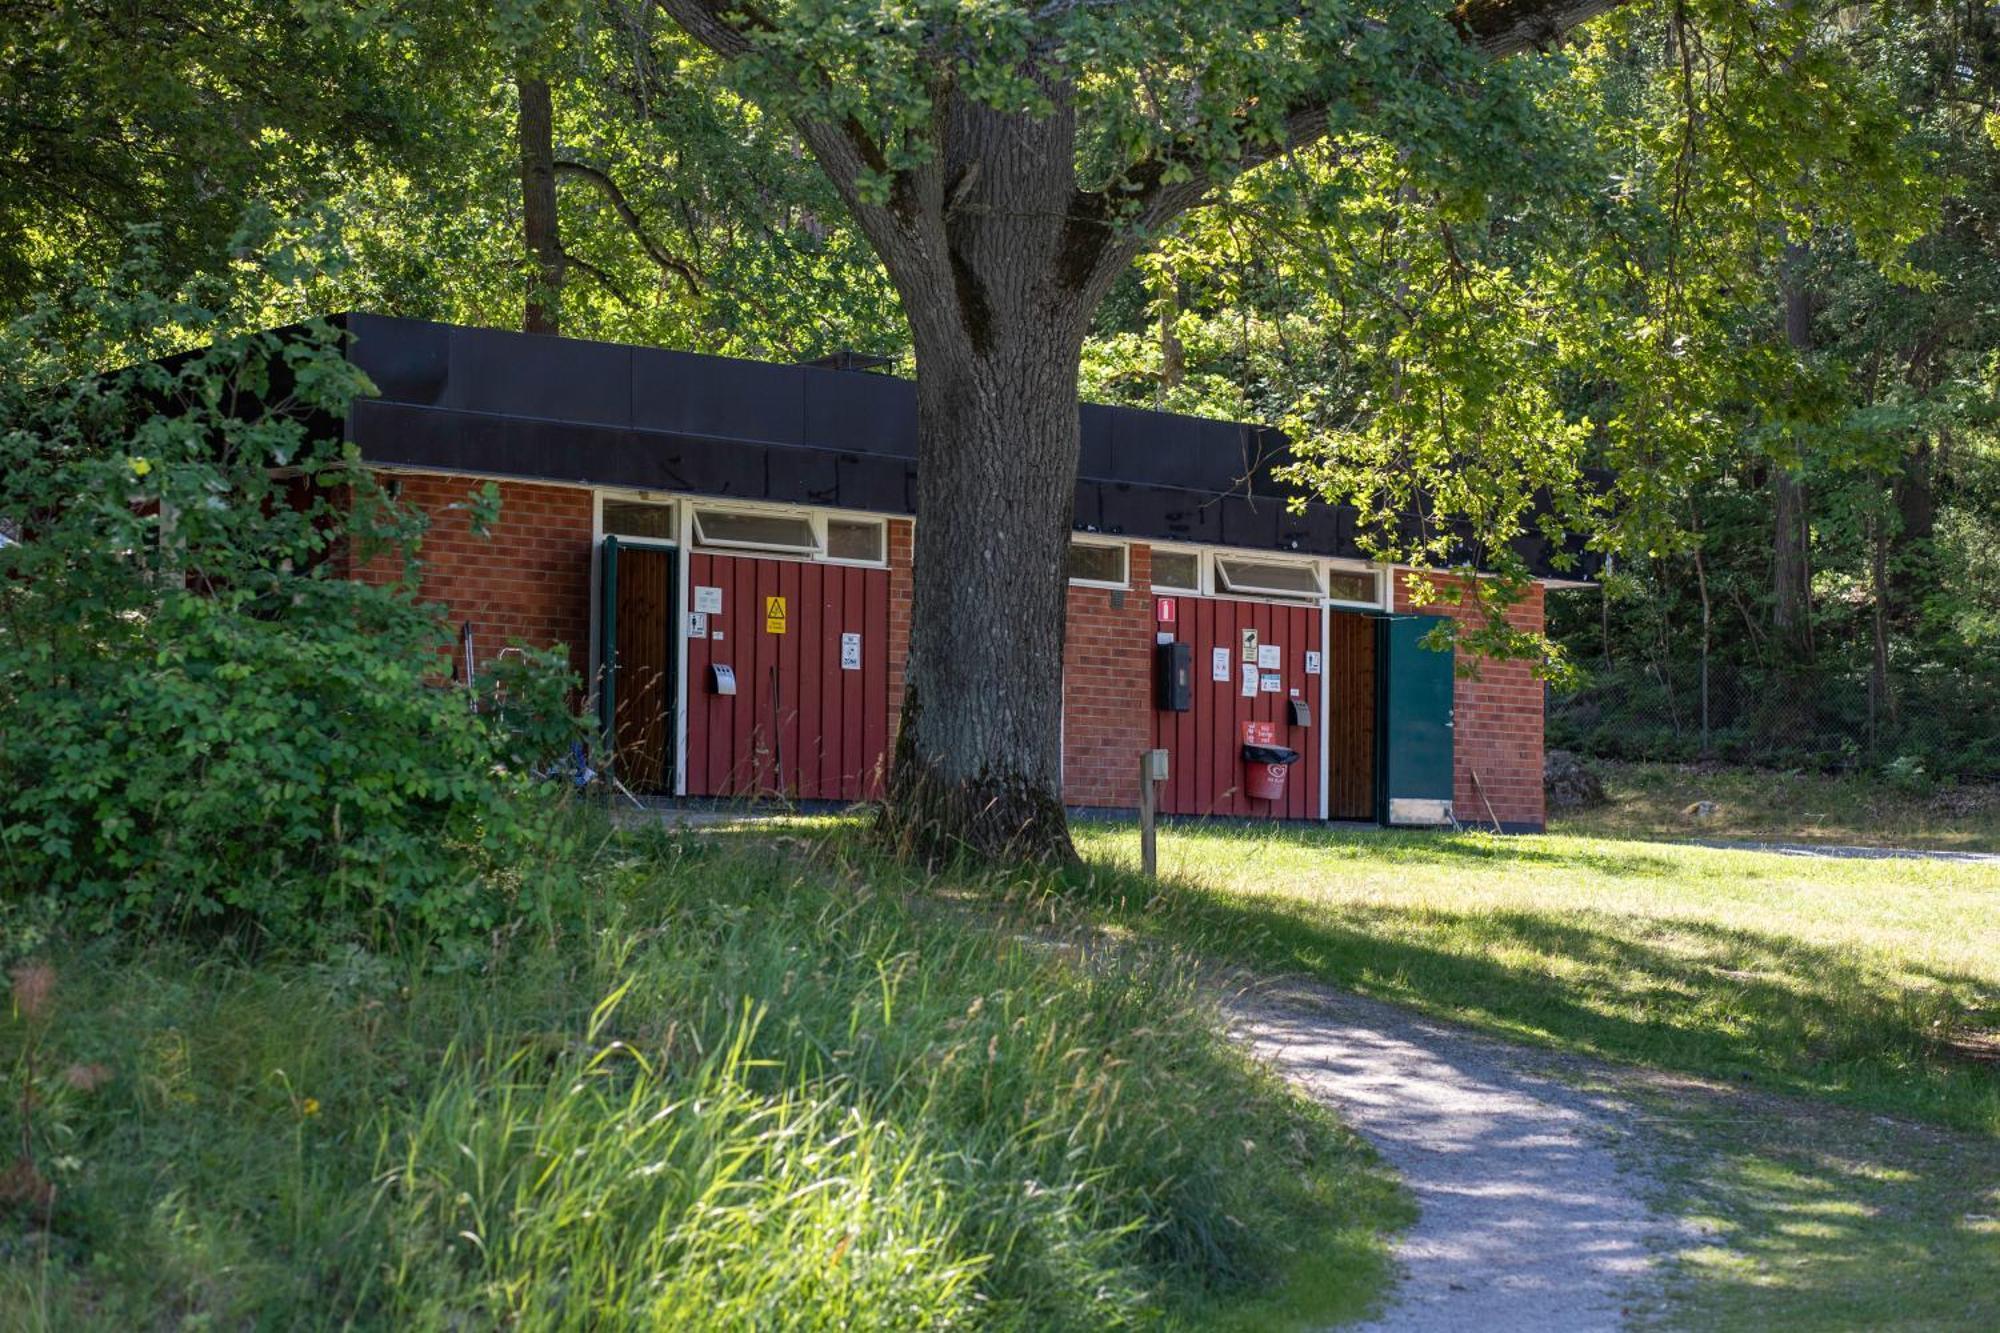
[
  {"x": 1206, "y": 742},
  {"x": 799, "y": 726}
]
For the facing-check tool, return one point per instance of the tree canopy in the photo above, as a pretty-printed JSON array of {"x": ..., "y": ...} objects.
[{"x": 1465, "y": 253}]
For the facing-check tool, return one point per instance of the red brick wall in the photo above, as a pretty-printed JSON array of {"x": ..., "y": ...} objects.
[
  {"x": 527, "y": 579},
  {"x": 1107, "y": 689},
  {"x": 1498, "y": 724}
]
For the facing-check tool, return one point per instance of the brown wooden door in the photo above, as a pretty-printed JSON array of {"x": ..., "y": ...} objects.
[
  {"x": 1350, "y": 716},
  {"x": 643, "y": 640}
]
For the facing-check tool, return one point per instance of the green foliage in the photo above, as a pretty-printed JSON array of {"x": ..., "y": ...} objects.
[
  {"x": 145, "y": 114},
  {"x": 203, "y": 719},
  {"x": 775, "y": 1083}
]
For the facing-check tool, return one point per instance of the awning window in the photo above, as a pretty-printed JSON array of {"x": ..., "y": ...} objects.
[{"x": 1267, "y": 578}]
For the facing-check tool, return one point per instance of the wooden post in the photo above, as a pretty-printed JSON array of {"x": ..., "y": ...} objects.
[{"x": 1152, "y": 769}]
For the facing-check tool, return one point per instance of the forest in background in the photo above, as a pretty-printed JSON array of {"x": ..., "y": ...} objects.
[{"x": 1808, "y": 572}]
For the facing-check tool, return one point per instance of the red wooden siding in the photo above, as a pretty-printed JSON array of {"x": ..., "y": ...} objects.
[
  {"x": 822, "y": 734},
  {"x": 1206, "y": 742}
]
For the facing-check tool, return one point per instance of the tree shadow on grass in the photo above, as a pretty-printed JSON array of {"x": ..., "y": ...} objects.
[
  {"x": 1809, "y": 1217},
  {"x": 1680, "y": 994},
  {"x": 1432, "y": 847}
]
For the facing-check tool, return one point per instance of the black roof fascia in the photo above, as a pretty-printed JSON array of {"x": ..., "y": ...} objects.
[{"x": 566, "y": 410}]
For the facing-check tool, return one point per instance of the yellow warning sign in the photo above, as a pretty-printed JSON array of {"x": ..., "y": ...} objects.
[{"x": 774, "y": 615}]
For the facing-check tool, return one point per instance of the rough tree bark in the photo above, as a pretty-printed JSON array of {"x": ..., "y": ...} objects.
[
  {"x": 999, "y": 259},
  {"x": 535, "y": 125},
  {"x": 1791, "y": 575}
]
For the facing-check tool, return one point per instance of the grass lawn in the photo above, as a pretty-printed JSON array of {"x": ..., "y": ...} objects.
[
  {"x": 1838, "y": 1151},
  {"x": 1859, "y": 809},
  {"x": 1871, "y": 983},
  {"x": 774, "y": 1083}
]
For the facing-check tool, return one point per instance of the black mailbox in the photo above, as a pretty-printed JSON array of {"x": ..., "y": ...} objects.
[
  {"x": 1302, "y": 713},
  {"x": 1173, "y": 677}
]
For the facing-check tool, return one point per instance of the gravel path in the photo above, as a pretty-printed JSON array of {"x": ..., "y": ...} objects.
[
  {"x": 1531, "y": 1216},
  {"x": 1845, "y": 853}
]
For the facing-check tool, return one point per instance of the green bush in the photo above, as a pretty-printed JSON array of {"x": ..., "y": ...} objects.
[{"x": 202, "y": 719}]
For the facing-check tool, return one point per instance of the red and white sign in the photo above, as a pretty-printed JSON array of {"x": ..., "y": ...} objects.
[
  {"x": 1260, "y": 733},
  {"x": 1164, "y": 610}
]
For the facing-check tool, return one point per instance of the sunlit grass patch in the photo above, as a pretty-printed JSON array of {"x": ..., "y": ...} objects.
[{"x": 1860, "y": 981}]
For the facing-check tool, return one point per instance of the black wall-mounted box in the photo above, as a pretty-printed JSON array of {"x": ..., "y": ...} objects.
[{"x": 1173, "y": 677}]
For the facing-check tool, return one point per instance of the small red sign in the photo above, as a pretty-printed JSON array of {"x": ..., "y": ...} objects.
[
  {"x": 1260, "y": 733},
  {"x": 1165, "y": 610}
]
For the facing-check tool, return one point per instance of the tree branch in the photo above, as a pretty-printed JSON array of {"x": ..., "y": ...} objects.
[
  {"x": 1509, "y": 27},
  {"x": 844, "y": 150},
  {"x": 658, "y": 253},
  {"x": 603, "y": 279},
  {"x": 1498, "y": 28}
]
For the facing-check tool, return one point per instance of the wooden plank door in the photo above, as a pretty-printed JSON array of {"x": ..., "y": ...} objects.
[
  {"x": 638, "y": 587},
  {"x": 1350, "y": 720}
]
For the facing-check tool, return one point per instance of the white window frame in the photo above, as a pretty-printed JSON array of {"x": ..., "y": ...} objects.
[
  {"x": 1124, "y": 549},
  {"x": 1220, "y": 582},
  {"x": 676, "y": 503},
  {"x": 689, "y": 538},
  {"x": 826, "y": 556},
  {"x": 702, "y": 543},
  {"x": 1376, "y": 573},
  {"x": 1193, "y": 553}
]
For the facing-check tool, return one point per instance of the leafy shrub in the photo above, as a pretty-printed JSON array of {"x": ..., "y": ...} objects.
[{"x": 201, "y": 717}]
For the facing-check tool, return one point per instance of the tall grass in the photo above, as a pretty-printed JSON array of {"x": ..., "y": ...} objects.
[{"x": 772, "y": 1085}]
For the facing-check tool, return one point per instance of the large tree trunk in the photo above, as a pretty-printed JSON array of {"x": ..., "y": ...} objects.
[
  {"x": 539, "y": 227},
  {"x": 1791, "y": 572},
  {"x": 1916, "y": 528},
  {"x": 978, "y": 764},
  {"x": 997, "y": 319}
]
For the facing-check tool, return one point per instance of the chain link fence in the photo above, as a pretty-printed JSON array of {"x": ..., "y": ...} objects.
[{"x": 1935, "y": 723}]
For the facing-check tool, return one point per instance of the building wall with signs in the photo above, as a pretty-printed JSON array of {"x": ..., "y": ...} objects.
[
  {"x": 531, "y": 580},
  {"x": 1497, "y": 749}
]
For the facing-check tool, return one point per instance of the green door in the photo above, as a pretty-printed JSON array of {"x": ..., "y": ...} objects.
[{"x": 1416, "y": 713}]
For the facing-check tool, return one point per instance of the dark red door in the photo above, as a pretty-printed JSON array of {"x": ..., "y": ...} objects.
[
  {"x": 1205, "y": 743},
  {"x": 808, "y": 645}
]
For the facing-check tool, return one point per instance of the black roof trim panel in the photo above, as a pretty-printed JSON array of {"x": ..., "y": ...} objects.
[{"x": 563, "y": 409}]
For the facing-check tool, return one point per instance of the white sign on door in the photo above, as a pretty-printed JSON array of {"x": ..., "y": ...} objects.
[
  {"x": 697, "y": 625},
  {"x": 1312, "y": 664},
  {"x": 1270, "y": 656},
  {"x": 1273, "y": 683},
  {"x": 1218, "y": 665},
  {"x": 850, "y": 652},
  {"x": 708, "y": 601},
  {"x": 1249, "y": 680}
]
